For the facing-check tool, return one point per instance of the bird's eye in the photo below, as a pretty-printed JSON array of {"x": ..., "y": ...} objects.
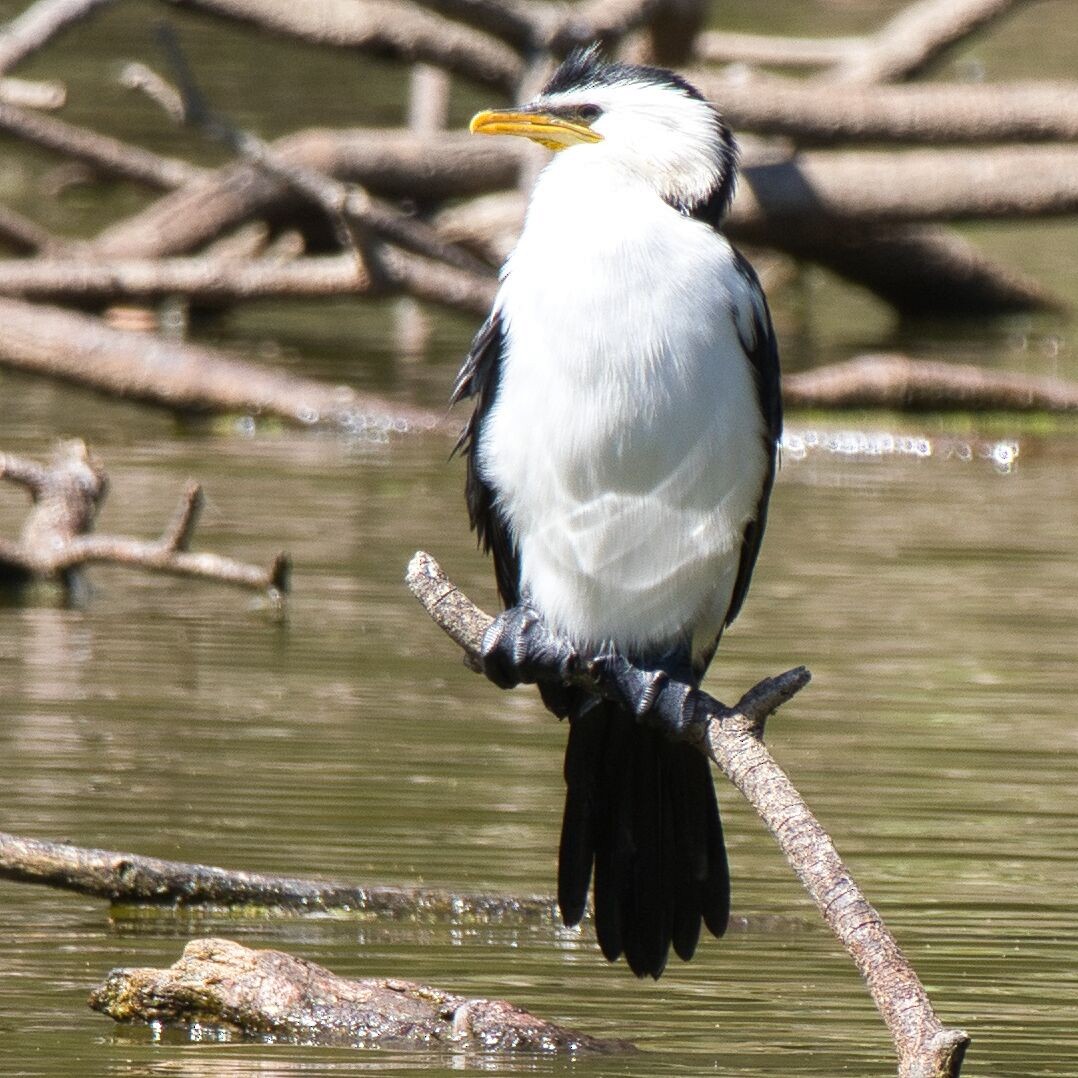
[{"x": 589, "y": 113}]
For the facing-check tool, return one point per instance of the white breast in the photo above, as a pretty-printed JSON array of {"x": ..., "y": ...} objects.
[{"x": 625, "y": 444}]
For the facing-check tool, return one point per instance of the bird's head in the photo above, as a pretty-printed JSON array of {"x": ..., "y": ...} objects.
[{"x": 647, "y": 122}]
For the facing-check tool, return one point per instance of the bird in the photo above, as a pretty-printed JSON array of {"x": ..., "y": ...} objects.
[{"x": 620, "y": 457}]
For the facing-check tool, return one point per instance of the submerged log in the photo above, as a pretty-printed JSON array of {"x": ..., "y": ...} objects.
[
  {"x": 131, "y": 879},
  {"x": 56, "y": 541},
  {"x": 234, "y": 990},
  {"x": 733, "y": 739}
]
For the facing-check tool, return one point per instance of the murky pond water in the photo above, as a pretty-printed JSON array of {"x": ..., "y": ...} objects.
[{"x": 932, "y": 596}]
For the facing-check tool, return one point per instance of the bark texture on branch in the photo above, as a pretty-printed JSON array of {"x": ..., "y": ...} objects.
[
  {"x": 57, "y": 540},
  {"x": 271, "y": 995},
  {"x": 733, "y": 739},
  {"x": 80, "y": 349},
  {"x": 129, "y": 878}
]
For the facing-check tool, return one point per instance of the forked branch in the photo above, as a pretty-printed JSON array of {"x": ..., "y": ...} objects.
[{"x": 732, "y": 737}]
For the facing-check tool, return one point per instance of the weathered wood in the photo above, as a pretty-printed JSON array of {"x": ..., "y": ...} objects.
[
  {"x": 733, "y": 737},
  {"x": 107, "y": 155},
  {"x": 916, "y": 36},
  {"x": 39, "y": 24},
  {"x": 186, "y": 377},
  {"x": 234, "y": 990},
  {"x": 382, "y": 27},
  {"x": 129, "y": 878},
  {"x": 813, "y": 113},
  {"x": 902, "y": 383},
  {"x": 56, "y": 540}
]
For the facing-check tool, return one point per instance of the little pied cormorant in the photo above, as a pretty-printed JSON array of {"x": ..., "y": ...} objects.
[{"x": 620, "y": 458}]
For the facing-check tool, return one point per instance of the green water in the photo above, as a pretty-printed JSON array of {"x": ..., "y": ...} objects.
[{"x": 932, "y": 596}]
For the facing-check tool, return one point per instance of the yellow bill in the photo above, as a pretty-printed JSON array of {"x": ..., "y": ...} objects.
[{"x": 553, "y": 132}]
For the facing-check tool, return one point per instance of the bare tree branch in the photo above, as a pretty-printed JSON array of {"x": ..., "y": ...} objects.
[
  {"x": 56, "y": 539},
  {"x": 38, "y": 24},
  {"x": 231, "y": 280},
  {"x": 108, "y": 155},
  {"x": 724, "y": 47},
  {"x": 813, "y": 113},
  {"x": 387, "y": 163},
  {"x": 32, "y": 93},
  {"x": 384, "y": 27},
  {"x": 733, "y": 739},
  {"x": 918, "y": 186},
  {"x": 178, "y": 885},
  {"x": 899, "y": 382},
  {"x": 916, "y": 36},
  {"x": 81, "y": 349}
]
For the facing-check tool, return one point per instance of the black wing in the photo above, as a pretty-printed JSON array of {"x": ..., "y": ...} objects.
[
  {"x": 478, "y": 378},
  {"x": 763, "y": 353}
]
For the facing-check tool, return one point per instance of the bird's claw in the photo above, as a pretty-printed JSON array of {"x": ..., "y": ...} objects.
[
  {"x": 652, "y": 695},
  {"x": 518, "y": 647}
]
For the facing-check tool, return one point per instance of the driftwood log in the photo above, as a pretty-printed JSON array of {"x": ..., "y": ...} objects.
[
  {"x": 57, "y": 540},
  {"x": 188, "y": 378},
  {"x": 733, "y": 738},
  {"x": 269, "y": 995},
  {"x": 130, "y": 879},
  {"x": 901, "y": 383}
]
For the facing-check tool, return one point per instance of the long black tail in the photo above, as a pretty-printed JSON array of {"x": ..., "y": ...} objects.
[{"x": 640, "y": 810}]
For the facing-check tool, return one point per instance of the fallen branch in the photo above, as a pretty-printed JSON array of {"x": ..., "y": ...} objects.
[
  {"x": 388, "y": 163},
  {"x": 38, "y": 24},
  {"x": 186, "y": 377},
  {"x": 918, "y": 186},
  {"x": 382, "y": 27},
  {"x": 773, "y": 50},
  {"x": 223, "y": 986},
  {"x": 130, "y": 879},
  {"x": 106, "y": 155},
  {"x": 813, "y": 113},
  {"x": 57, "y": 541},
  {"x": 32, "y": 93},
  {"x": 916, "y": 36},
  {"x": 899, "y": 382},
  {"x": 733, "y": 739},
  {"x": 231, "y": 280}
]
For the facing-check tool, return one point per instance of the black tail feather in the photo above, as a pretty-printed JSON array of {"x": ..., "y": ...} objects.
[{"x": 642, "y": 809}]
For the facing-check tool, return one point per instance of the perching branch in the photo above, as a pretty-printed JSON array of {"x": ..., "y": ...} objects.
[
  {"x": 733, "y": 739},
  {"x": 57, "y": 540},
  {"x": 221, "y": 985}
]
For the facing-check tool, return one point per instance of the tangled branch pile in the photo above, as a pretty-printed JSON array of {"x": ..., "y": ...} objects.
[{"x": 850, "y": 167}]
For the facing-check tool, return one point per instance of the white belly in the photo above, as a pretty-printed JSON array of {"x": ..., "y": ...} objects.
[{"x": 625, "y": 444}]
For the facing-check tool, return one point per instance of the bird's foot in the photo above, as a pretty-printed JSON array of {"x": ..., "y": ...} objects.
[
  {"x": 654, "y": 696},
  {"x": 518, "y": 647}
]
